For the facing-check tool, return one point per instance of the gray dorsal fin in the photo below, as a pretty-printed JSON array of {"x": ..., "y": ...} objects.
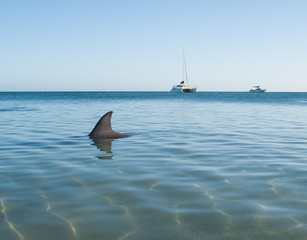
[{"x": 103, "y": 128}]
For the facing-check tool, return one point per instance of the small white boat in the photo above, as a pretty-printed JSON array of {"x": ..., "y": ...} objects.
[
  {"x": 257, "y": 89},
  {"x": 182, "y": 87}
]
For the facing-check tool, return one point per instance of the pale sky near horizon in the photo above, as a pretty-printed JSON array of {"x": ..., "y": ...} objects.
[{"x": 136, "y": 45}]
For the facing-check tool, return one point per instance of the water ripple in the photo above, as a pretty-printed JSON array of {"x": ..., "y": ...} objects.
[{"x": 207, "y": 166}]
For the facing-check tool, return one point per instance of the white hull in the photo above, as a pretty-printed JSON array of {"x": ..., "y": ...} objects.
[
  {"x": 176, "y": 90},
  {"x": 189, "y": 90},
  {"x": 256, "y": 91},
  {"x": 183, "y": 88}
]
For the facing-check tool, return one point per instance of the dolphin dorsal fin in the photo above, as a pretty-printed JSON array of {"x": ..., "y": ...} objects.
[{"x": 103, "y": 128}]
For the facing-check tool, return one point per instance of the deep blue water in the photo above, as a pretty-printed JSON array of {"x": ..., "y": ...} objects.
[
  {"x": 238, "y": 97},
  {"x": 210, "y": 165}
]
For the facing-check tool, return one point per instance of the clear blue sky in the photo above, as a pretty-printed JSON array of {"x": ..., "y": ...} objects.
[{"x": 111, "y": 45}]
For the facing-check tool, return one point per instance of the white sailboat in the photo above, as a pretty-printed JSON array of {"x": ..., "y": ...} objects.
[{"x": 182, "y": 87}]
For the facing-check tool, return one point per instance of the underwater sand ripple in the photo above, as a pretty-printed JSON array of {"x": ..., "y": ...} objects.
[
  {"x": 6, "y": 219},
  {"x": 48, "y": 209}
]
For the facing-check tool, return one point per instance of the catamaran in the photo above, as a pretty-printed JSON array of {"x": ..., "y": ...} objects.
[{"x": 182, "y": 87}]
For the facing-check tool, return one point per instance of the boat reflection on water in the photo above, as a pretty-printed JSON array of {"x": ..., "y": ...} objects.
[{"x": 104, "y": 145}]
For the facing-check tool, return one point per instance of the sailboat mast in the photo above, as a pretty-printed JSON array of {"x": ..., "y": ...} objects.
[{"x": 185, "y": 74}]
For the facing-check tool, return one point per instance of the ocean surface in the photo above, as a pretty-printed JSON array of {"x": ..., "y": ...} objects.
[{"x": 209, "y": 165}]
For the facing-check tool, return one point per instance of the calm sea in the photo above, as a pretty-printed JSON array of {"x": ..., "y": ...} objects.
[{"x": 196, "y": 166}]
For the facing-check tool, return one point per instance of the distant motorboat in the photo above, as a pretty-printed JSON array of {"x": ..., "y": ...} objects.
[
  {"x": 257, "y": 89},
  {"x": 182, "y": 87}
]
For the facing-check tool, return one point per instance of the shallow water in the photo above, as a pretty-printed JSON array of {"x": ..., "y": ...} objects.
[{"x": 196, "y": 166}]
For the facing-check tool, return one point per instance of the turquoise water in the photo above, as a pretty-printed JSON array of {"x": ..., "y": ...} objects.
[{"x": 196, "y": 166}]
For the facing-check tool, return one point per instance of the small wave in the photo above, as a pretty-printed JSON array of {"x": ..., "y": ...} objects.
[{"x": 16, "y": 109}]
